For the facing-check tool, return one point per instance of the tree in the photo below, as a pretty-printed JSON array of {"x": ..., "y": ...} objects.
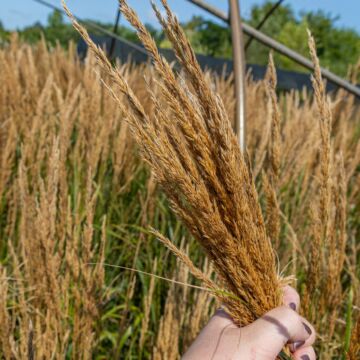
[
  {"x": 56, "y": 31},
  {"x": 337, "y": 47},
  {"x": 55, "y": 19},
  {"x": 258, "y": 53},
  {"x": 214, "y": 39},
  {"x": 4, "y": 35}
]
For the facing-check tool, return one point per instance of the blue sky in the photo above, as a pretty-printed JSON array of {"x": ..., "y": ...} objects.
[{"x": 19, "y": 13}]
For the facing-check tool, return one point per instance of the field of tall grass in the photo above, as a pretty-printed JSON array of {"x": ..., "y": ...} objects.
[{"x": 82, "y": 275}]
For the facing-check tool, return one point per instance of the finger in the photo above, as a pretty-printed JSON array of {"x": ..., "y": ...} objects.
[
  {"x": 305, "y": 343},
  {"x": 306, "y": 353},
  {"x": 291, "y": 298},
  {"x": 276, "y": 328}
]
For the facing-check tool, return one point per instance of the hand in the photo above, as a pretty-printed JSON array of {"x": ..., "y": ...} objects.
[{"x": 264, "y": 339}]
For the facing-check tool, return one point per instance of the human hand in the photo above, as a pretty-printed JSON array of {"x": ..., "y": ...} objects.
[{"x": 262, "y": 340}]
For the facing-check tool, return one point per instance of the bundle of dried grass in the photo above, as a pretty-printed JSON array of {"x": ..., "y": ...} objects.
[{"x": 194, "y": 154}]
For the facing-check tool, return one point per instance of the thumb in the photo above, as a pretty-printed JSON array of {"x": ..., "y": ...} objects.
[{"x": 272, "y": 331}]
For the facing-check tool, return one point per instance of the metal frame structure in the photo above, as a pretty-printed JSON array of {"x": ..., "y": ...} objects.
[
  {"x": 237, "y": 27},
  {"x": 234, "y": 20},
  {"x": 247, "y": 29},
  {"x": 280, "y": 48}
]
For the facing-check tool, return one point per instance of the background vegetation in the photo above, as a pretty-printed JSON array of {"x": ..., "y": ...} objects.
[
  {"x": 77, "y": 262},
  {"x": 338, "y": 48},
  {"x": 75, "y": 195}
]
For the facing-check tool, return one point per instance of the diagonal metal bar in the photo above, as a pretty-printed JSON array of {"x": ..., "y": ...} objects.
[
  {"x": 280, "y": 48},
  {"x": 239, "y": 72}
]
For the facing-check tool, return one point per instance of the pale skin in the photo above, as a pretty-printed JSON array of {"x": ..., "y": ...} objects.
[{"x": 264, "y": 339}]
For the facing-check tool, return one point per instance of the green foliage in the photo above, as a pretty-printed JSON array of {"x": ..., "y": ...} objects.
[
  {"x": 337, "y": 47},
  {"x": 258, "y": 53},
  {"x": 210, "y": 38},
  {"x": 295, "y": 36},
  {"x": 4, "y": 35},
  {"x": 56, "y": 31}
]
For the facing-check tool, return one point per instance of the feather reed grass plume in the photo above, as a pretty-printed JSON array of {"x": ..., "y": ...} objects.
[
  {"x": 191, "y": 147},
  {"x": 185, "y": 312},
  {"x": 68, "y": 165},
  {"x": 354, "y": 348},
  {"x": 271, "y": 179},
  {"x": 147, "y": 307},
  {"x": 49, "y": 295},
  {"x": 324, "y": 294}
]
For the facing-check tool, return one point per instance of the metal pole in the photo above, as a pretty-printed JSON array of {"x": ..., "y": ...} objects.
[
  {"x": 282, "y": 49},
  {"x": 113, "y": 40},
  {"x": 239, "y": 71}
]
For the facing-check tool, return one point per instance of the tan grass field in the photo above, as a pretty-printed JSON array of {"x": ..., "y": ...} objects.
[{"x": 77, "y": 204}]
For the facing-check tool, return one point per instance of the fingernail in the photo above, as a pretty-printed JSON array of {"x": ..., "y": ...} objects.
[
  {"x": 305, "y": 357},
  {"x": 298, "y": 344},
  {"x": 308, "y": 330},
  {"x": 293, "y": 306}
]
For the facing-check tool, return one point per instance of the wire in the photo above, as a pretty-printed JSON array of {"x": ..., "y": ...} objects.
[{"x": 154, "y": 275}]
